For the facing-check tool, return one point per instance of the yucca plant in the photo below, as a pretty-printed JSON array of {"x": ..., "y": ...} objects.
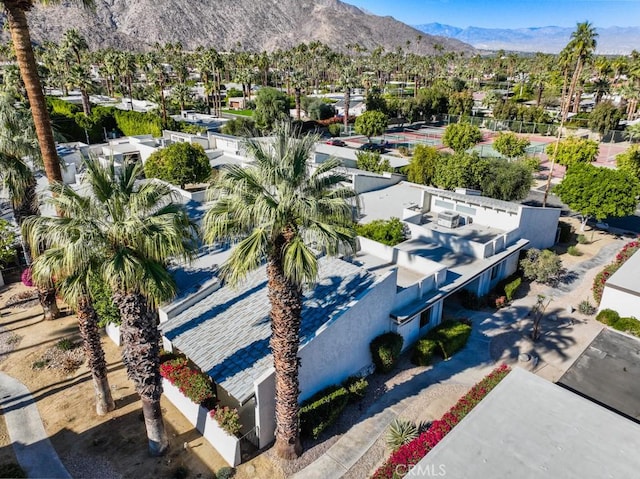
[{"x": 400, "y": 432}]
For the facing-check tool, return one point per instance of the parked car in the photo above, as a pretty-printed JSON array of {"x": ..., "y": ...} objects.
[
  {"x": 373, "y": 147},
  {"x": 336, "y": 142}
]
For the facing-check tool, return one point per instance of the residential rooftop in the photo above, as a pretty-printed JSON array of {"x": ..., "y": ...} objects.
[
  {"x": 227, "y": 333},
  {"x": 529, "y": 428},
  {"x": 626, "y": 278}
]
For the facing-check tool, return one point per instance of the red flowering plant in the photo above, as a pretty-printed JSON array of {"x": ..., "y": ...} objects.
[
  {"x": 601, "y": 278},
  {"x": 228, "y": 419},
  {"x": 411, "y": 453},
  {"x": 26, "y": 278},
  {"x": 191, "y": 382}
]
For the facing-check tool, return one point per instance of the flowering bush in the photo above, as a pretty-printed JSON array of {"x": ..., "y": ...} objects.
[
  {"x": 411, "y": 453},
  {"x": 191, "y": 382},
  {"x": 26, "y": 278},
  {"x": 601, "y": 278},
  {"x": 227, "y": 418}
]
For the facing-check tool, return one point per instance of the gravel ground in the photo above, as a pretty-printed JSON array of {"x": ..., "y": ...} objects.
[
  {"x": 8, "y": 342},
  {"x": 23, "y": 300},
  {"x": 89, "y": 467}
]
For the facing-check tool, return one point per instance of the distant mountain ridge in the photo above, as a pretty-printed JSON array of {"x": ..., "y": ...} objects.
[
  {"x": 230, "y": 24},
  {"x": 550, "y": 39}
]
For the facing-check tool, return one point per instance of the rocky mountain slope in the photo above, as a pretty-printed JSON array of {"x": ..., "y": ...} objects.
[
  {"x": 230, "y": 24},
  {"x": 612, "y": 40}
]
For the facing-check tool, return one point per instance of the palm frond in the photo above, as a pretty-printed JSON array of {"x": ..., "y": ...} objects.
[
  {"x": 248, "y": 255},
  {"x": 299, "y": 262}
]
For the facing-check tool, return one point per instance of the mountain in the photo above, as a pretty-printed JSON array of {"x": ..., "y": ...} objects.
[
  {"x": 612, "y": 40},
  {"x": 230, "y": 24}
]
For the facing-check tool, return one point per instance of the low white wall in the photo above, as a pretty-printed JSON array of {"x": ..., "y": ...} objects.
[
  {"x": 265, "y": 390},
  {"x": 539, "y": 226},
  {"x": 399, "y": 257},
  {"x": 627, "y": 305},
  {"x": 363, "y": 183},
  {"x": 113, "y": 331},
  {"x": 69, "y": 173},
  {"x": 227, "y": 445},
  {"x": 341, "y": 349}
]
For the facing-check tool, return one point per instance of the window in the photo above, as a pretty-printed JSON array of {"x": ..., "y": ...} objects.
[
  {"x": 425, "y": 317},
  {"x": 494, "y": 272},
  {"x": 444, "y": 204},
  {"x": 465, "y": 210}
]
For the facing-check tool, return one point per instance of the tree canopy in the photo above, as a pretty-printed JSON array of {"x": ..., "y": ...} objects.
[
  {"x": 574, "y": 150},
  {"x": 179, "y": 164},
  {"x": 372, "y": 161},
  {"x": 7, "y": 242},
  {"x": 510, "y": 145},
  {"x": 371, "y": 123},
  {"x": 461, "y": 136},
  {"x": 271, "y": 105},
  {"x": 599, "y": 193},
  {"x": 423, "y": 164},
  {"x": 629, "y": 161},
  {"x": 604, "y": 117}
]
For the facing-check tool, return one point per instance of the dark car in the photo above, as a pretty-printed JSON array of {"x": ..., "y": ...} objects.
[
  {"x": 373, "y": 147},
  {"x": 336, "y": 142}
]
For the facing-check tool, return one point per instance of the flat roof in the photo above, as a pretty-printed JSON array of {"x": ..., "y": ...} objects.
[
  {"x": 530, "y": 428},
  {"x": 380, "y": 267},
  {"x": 389, "y": 202},
  {"x": 626, "y": 278},
  {"x": 607, "y": 372}
]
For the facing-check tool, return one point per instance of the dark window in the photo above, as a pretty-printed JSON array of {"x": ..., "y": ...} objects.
[
  {"x": 494, "y": 272},
  {"x": 425, "y": 317}
]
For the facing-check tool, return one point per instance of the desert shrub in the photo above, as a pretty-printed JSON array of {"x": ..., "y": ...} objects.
[
  {"x": 385, "y": 350},
  {"x": 582, "y": 239},
  {"x": 357, "y": 388},
  {"x": 585, "y": 307},
  {"x": 334, "y": 129},
  {"x": 542, "y": 266},
  {"x": 228, "y": 419},
  {"x": 65, "y": 344},
  {"x": 400, "y": 432},
  {"x": 608, "y": 316},
  {"x": 511, "y": 288},
  {"x": 225, "y": 472},
  {"x": 322, "y": 409},
  {"x": 423, "y": 352},
  {"x": 574, "y": 251}
]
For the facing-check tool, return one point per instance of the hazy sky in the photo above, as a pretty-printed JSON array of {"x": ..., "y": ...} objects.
[{"x": 508, "y": 13}]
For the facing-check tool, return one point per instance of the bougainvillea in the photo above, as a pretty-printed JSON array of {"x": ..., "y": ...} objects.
[
  {"x": 192, "y": 383},
  {"x": 601, "y": 278},
  {"x": 228, "y": 419},
  {"x": 400, "y": 462},
  {"x": 26, "y": 278}
]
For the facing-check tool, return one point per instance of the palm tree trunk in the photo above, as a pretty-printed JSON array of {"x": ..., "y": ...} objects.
[
  {"x": 28, "y": 70},
  {"x": 88, "y": 324},
  {"x": 47, "y": 297},
  {"x": 286, "y": 306},
  {"x": 347, "y": 100},
  {"x": 86, "y": 104},
  {"x": 141, "y": 356},
  {"x": 298, "y": 93}
]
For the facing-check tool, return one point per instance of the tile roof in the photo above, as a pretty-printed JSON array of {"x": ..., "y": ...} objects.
[{"x": 227, "y": 333}]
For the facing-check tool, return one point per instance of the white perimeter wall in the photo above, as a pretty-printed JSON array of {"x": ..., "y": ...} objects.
[
  {"x": 539, "y": 226},
  {"x": 627, "y": 305},
  {"x": 342, "y": 348}
]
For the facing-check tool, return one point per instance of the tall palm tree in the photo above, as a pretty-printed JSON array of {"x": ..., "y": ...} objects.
[
  {"x": 76, "y": 44},
  {"x": 17, "y": 19},
  {"x": 348, "y": 80},
  {"x": 136, "y": 227},
  {"x": 275, "y": 210},
  {"x": 73, "y": 256},
  {"x": 581, "y": 47}
]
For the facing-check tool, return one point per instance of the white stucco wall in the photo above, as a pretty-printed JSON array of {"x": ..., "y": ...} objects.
[
  {"x": 483, "y": 215},
  {"x": 539, "y": 226},
  {"x": 627, "y": 305},
  {"x": 411, "y": 331},
  {"x": 342, "y": 348},
  {"x": 265, "y": 390}
]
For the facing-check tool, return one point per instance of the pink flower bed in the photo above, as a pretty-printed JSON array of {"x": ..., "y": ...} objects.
[
  {"x": 601, "y": 278},
  {"x": 400, "y": 462}
]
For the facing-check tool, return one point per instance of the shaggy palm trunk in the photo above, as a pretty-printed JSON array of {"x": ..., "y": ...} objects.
[
  {"x": 86, "y": 104},
  {"x": 141, "y": 356},
  {"x": 15, "y": 10},
  {"x": 90, "y": 334},
  {"x": 286, "y": 306},
  {"x": 298, "y": 94},
  {"x": 47, "y": 297}
]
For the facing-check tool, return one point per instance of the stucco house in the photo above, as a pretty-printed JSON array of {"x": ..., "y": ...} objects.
[
  {"x": 622, "y": 290},
  {"x": 458, "y": 241}
]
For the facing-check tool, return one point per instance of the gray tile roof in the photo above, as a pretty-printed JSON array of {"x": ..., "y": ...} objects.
[{"x": 227, "y": 334}]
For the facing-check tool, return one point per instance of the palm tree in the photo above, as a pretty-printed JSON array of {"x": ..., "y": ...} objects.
[
  {"x": 136, "y": 227},
  {"x": 17, "y": 19},
  {"x": 73, "y": 256},
  {"x": 581, "y": 48},
  {"x": 75, "y": 44},
  {"x": 275, "y": 210},
  {"x": 348, "y": 80}
]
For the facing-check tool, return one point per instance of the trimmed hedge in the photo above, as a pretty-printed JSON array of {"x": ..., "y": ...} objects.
[
  {"x": 423, "y": 352},
  {"x": 323, "y": 408},
  {"x": 511, "y": 288},
  {"x": 385, "y": 350},
  {"x": 445, "y": 340},
  {"x": 612, "y": 318}
]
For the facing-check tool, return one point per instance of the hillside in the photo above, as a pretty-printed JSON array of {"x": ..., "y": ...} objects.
[
  {"x": 612, "y": 40},
  {"x": 225, "y": 25}
]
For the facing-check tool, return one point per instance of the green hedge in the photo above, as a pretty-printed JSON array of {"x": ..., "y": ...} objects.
[
  {"x": 444, "y": 340},
  {"x": 511, "y": 288},
  {"x": 322, "y": 410},
  {"x": 385, "y": 350},
  {"x": 612, "y": 318},
  {"x": 357, "y": 388},
  {"x": 424, "y": 351}
]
